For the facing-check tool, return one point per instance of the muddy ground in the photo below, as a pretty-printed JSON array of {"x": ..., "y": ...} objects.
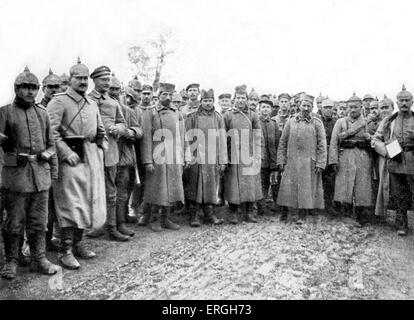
[{"x": 325, "y": 258}]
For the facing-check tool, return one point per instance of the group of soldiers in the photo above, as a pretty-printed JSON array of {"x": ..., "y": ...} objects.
[{"x": 76, "y": 162}]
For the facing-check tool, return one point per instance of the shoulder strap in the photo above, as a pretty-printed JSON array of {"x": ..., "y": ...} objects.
[{"x": 73, "y": 119}]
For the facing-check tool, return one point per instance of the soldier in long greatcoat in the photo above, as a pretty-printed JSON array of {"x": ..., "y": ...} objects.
[
  {"x": 209, "y": 154},
  {"x": 302, "y": 157},
  {"x": 349, "y": 154},
  {"x": 163, "y": 155},
  {"x": 80, "y": 188},
  {"x": 241, "y": 187}
]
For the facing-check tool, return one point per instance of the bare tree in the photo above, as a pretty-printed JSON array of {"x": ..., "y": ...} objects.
[{"x": 150, "y": 58}]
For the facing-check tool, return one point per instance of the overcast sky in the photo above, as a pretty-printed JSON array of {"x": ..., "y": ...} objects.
[{"x": 329, "y": 46}]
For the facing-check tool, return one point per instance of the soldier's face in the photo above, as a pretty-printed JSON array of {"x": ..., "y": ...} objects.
[
  {"x": 319, "y": 105},
  {"x": 327, "y": 111},
  {"x": 405, "y": 103},
  {"x": 177, "y": 104},
  {"x": 385, "y": 110},
  {"x": 265, "y": 109},
  {"x": 225, "y": 104},
  {"x": 146, "y": 97},
  {"x": 343, "y": 110},
  {"x": 114, "y": 92},
  {"x": 284, "y": 104},
  {"x": 193, "y": 93},
  {"x": 27, "y": 92},
  {"x": 64, "y": 87},
  {"x": 355, "y": 109},
  {"x": 305, "y": 107},
  {"x": 240, "y": 100},
  {"x": 253, "y": 102},
  {"x": 207, "y": 104},
  {"x": 102, "y": 84},
  {"x": 165, "y": 98},
  {"x": 79, "y": 83},
  {"x": 373, "y": 108},
  {"x": 50, "y": 90}
]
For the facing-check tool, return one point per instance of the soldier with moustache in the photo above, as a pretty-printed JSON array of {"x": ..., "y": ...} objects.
[
  {"x": 253, "y": 100},
  {"x": 115, "y": 127},
  {"x": 302, "y": 156},
  {"x": 398, "y": 128},
  {"x": 164, "y": 129},
  {"x": 349, "y": 156},
  {"x": 80, "y": 142}
]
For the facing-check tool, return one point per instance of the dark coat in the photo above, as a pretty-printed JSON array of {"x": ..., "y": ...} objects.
[
  {"x": 270, "y": 142},
  {"x": 202, "y": 176},
  {"x": 28, "y": 131}
]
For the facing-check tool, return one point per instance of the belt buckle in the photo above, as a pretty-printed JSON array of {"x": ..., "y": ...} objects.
[{"x": 32, "y": 158}]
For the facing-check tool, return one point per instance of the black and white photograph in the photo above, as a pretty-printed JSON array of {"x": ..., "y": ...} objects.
[{"x": 191, "y": 151}]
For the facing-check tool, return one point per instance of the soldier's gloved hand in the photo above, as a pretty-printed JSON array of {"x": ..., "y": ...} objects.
[
  {"x": 318, "y": 170},
  {"x": 130, "y": 134},
  {"x": 222, "y": 168},
  {"x": 149, "y": 167},
  {"x": 281, "y": 167},
  {"x": 114, "y": 131},
  {"x": 335, "y": 167},
  {"x": 186, "y": 165},
  {"x": 73, "y": 159}
]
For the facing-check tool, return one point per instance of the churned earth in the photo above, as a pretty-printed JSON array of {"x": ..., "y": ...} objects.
[{"x": 326, "y": 258}]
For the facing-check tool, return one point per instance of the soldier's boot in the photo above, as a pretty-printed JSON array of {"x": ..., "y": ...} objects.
[
  {"x": 300, "y": 219},
  {"x": 121, "y": 209},
  {"x": 261, "y": 205},
  {"x": 250, "y": 213},
  {"x": 233, "y": 215},
  {"x": 284, "y": 213},
  {"x": 359, "y": 212},
  {"x": 195, "y": 212},
  {"x": 145, "y": 218},
  {"x": 67, "y": 259},
  {"x": 210, "y": 217},
  {"x": 79, "y": 248},
  {"x": 24, "y": 260},
  {"x": 111, "y": 226},
  {"x": 11, "y": 250},
  {"x": 40, "y": 264},
  {"x": 155, "y": 219},
  {"x": 165, "y": 219},
  {"x": 97, "y": 233},
  {"x": 402, "y": 222}
]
